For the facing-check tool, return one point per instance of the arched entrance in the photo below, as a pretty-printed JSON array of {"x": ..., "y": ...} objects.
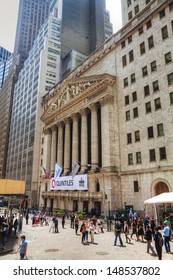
[{"x": 161, "y": 187}]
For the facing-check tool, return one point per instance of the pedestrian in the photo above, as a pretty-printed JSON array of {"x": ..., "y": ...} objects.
[
  {"x": 134, "y": 228},
  {"x": 100, "y": 226},
  {"x": 72, "y": 218},
  {"x": 121, "y": 219},
  {"x": 152, "y": 225},
  {"x": 63, "y": 220},
  {"x": 76, "y": 223},
  {"x": 166, "y": 234},
  {"x": 140, "y": 230},
  {"x": 126, "y": 232},
  {"x": 118, "y": 234},
  {"x": 56, "y": 224},
  {"x": 22, "y": 247},
  {"x": 27, "y": 217},
  {"x": 5, "y": 231},
  {"x": 148, "y": 237},
  {"x": 15, "y": 226},
  {"x": 87, "y": 230},
  {"x": 82, "y": 230},
  {"x": 158, "y": 242},
  {"x": 92, "y": 231}
]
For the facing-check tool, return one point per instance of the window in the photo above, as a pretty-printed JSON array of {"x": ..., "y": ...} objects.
[
  {"x": 150, "y": 42},
  {"x": 137, "y": 135},
  {"x": 130, "y": 39},
  {"x": 129, "y": 138},
  {"x": 136, "y": 186},
  {"x": 142, "y": 48},
  {"x": 133, "y": 79},
  {"x": 129, "y": 2},
  {"x": 152, "y": 154},
  {"x": 164, "y": 32},
  {"x": 170, "y": 79},
  {"x": 125, "y": 82},
  {"x": 168, "y": 58},
  {"x": 138, "y": 157},
  {"x": 130, "y": 159},
  {"x": 124, "y": 61},
  {"x": 148, "y": 107},
  {"x": 157, "y": 103},
  {"x": 153, "y": 66},
  {"x": 171, "y": 97},
  {"x": 130, "y": 15},
  {"x": 162, "y": 13},
  {"x": 141, "y": 30},
  {"x": 135, "y": 112},
  {"x": 136, "y": 9},
  {"x": 160, "y": 130},
  {"x": 134, "y": 96},
  {"x": 147, "y": 1},
  {"x": 128, "y": 115},
  {"x": 123, "y": 44},
  {"x": 146, "y": 90},
  {"x": 155, "y": 86},
  {"x": 148, "y": 24},
  {"x": 144, "y": 71},
  {"x": 162, "y": 152},
  {"x": 150, "y": 132},
  {"x": 131, "y": 57},
  {"x": 127, "y": 100}
]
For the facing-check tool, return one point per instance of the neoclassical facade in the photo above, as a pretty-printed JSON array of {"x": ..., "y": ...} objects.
[
  {"x": 113, "y": 114},
  {"x": 79, "y": 126}
]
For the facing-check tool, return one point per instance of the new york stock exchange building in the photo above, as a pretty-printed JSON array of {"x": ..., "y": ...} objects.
[{"x": 115, "y": 121}]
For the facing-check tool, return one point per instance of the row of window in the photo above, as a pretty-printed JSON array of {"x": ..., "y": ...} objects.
[
  {"x": 152, "y": 156},
  {"x": 155, "y": 83},
  {"x": 150, "y": 132}
]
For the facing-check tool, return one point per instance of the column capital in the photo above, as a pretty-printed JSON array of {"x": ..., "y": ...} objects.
[
  {"x": 106, "y": 100},
  {"x": 75, "y": 116},
  {"x": 67, "y": 120},
  {"x": 60, "y": 124},
  {"x": 47, "y": 131},
  {"x": 83, "y": 112},
  {"x": 54, "y": 128},
  {"x": 94, "y": 107}
]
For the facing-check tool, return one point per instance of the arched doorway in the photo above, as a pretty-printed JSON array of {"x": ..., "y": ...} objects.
[{"x": 161, "y": 187}]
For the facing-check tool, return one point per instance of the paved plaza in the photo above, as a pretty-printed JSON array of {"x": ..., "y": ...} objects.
[{"x": 44, "y": 244}]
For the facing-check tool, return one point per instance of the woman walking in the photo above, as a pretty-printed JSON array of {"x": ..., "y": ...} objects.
[{"x": 126, "y": 232}]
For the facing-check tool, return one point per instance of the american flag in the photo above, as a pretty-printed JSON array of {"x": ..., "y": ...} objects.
[{"x": 46, "y": 173}]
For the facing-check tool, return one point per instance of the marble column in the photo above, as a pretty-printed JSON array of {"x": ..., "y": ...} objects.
[
  {"x": 53, "y": 148},
  {"x": 60, "y": 144},
  {"x": 84, "y": 140},
  {"x": 67, "y": 146},
  {"x": 94, "y": 136},
  {"x": 47, "y": 152},
  {"x": 75, "y": 138},
  {"x": 108, "y": 153}
]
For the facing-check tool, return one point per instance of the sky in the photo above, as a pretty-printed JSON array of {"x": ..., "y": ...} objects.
[{"x": 8, "y": 20}]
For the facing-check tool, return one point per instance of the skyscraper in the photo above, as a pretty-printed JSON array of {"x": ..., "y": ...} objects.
[
  {"x": 4, "y": 54},
  {"x": 65, "y": 29}
]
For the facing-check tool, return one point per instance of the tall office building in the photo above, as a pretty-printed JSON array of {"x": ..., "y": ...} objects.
[
  {"x": 40, "y": 72},
  {"x": 4, "y": 54},
  {"x": 31, "y": 15},
  {"x": 114, "y": 115}
]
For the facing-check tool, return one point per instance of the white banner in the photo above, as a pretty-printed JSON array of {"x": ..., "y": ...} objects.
[{"x": 79, "y": 182}]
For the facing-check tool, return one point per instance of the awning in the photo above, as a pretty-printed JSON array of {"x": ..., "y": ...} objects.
[{"x": 161, "y": 198}]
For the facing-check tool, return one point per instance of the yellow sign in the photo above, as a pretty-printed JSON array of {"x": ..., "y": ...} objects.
[{"x": 12, "y": 187}]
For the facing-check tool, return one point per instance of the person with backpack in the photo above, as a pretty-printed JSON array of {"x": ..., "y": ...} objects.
[{"x": 158, "y": 242}]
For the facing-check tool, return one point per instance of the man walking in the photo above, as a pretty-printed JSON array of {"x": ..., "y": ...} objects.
[
  {"x": 118, "y": 234},
  {"x": 166, "y": 238}
]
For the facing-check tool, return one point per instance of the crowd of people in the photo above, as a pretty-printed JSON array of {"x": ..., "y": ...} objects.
[{"x": 133, "y": 227}]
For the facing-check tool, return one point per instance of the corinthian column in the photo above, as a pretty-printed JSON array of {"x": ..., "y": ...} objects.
[
  {"x": 67, "y": 146},
  {"x": 84, "y": 140},
  {"x": 60, "y": 144},
  {"x": 75, "y": 138},
  {"x": 47, "y": 149},
  {"x": 108, "y": 141},
  {"x": 94, "y": 136},
  {"x": 53, "y": 148}
]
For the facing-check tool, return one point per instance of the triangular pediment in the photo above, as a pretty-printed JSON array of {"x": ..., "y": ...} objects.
[{"x": 72, "y": 89}]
